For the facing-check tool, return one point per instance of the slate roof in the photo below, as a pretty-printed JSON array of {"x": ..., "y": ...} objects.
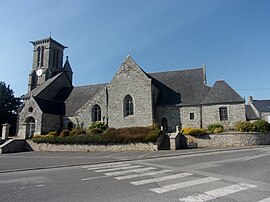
[
  {"x": 41, "y": 87},
  {"x": 185, "y": 87},
  {"x": 51, "y": 107},
  {"x": 221, "y": 92},
  {"x": 262, "y": 105},
  {"x": 79, "y": 96},
  {"x": 251, "y": 115}
]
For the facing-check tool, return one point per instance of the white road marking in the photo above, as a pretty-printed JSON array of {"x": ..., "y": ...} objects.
[
  {"x": 159, "y": 179},
  {"x": 130, "y": 171},
  {"x": 142, "y": 174},
  {"x": 102, "y": 164},
  {"x": 173, "y": 187},
  {"x": 217, "y": 193},
  {"x": 109, "y": 166},
  {"x": 265, "y": 200},
  {"x": 118, "y": 168},
  {"x": 93, "y": 178}
]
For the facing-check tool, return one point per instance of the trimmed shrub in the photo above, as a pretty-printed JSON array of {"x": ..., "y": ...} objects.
[
  {"x": 78, "y": 131},
  {"x": 96, "y": 131},
  {"x": 261, "y": 126},
  {"x": 215, "y": 128},
  {"x": 98, "y": 124},
  {"x": 193, "y": 131},
  {"x": 64, "y": 133},
  {"x": 111, "y": 135},
  {"x": 244, "y": 126}
]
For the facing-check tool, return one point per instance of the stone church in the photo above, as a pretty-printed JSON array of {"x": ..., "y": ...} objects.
[{"x": 132, "y": 98}]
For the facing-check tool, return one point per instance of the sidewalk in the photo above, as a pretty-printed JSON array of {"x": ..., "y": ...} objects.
[{"x": 44, "y": 160}]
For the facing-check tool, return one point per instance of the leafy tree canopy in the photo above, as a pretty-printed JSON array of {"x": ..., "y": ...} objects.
[{"x": 8, "y": 103}]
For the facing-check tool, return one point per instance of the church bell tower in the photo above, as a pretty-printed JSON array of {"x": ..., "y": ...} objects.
[{"x": 47, "y": 61}]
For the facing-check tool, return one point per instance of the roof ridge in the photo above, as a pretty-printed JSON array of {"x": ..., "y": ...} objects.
[{"x": 182, "y": 70}]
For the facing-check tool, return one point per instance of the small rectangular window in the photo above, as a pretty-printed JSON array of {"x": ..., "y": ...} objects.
[
  {"x": 223, "y": 113},
  {"x": 191, "y": 116}
]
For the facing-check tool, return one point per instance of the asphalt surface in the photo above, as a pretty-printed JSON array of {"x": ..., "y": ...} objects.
[
  {"x": 42, "y": 160},
  {"x": 238, "y": 174}
]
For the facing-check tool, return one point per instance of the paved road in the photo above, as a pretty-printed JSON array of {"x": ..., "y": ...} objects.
[{"x": 233, "y": 175}]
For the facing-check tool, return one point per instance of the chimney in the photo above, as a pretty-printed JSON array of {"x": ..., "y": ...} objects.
[{"x": 250, "y": 99}]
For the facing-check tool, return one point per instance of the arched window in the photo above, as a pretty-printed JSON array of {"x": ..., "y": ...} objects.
[
  {"x": 128, "y": 106},
  {"x": 96, "y": 113},
  {"x": 42, "y": 56},
  {"x": 164, "y": 124},
  {"x": 30, "y": 126},
  {"x": 223, "y": 113},
  {"x": 38, "y": 56}
]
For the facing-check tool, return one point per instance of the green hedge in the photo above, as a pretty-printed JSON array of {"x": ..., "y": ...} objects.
[
  {"x": 257, "y": 126},
  {"x": 111, "y": 135}
]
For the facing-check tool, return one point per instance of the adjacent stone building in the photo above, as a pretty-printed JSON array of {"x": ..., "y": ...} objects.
[
  {"x": 258, "y": 109},
  {"x": 132, "y": 98}
]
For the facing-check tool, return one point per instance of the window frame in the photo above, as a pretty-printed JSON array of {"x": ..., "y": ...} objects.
[
  {"x": 223, "y": 113},
  {"x": 128, "y": 105},
  {"x": 191, "y": 116},
  {"x": 96, "y": 113}
]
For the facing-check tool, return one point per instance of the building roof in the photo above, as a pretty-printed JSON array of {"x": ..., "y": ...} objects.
[
  {"x": 79, "y": 96},
  {"x": 51, "y": 107},
  {"x": 250, "y": 113},
  {"x": 221, "y": 92},
  {"x": 186, "y": 87},
  {"x": 262, "y": 105}
]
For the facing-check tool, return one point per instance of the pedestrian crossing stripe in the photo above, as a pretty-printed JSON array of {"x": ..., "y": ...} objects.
[
  {"x": 180, "y": 185},
  {"x": 142, "y": 174},
  {"x": 160, "y": 179},
  {"x": 109, "y": 166},
  {"x": 217, "y": 193},
  {"x": 102, "y": 164},
  {"x": 139, "y": 170},
  {"x": 265, "y": 200},
  {"x": 118, "y": 168}
]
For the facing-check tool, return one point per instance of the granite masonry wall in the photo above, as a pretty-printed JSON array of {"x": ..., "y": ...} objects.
[
  {"x": 230, "y": 139},
  {"x": 171, "y": 114},
  {"x": 93, "y": 148},
  {"x": 185, "y": 117}
]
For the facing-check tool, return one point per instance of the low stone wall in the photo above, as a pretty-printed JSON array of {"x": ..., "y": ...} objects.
[
  {"x": 230, "y": 139},
  {"x": 92, "y": 148}
]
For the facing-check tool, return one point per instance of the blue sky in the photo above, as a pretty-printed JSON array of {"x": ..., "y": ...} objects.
[{"x": 232, "y": 37}]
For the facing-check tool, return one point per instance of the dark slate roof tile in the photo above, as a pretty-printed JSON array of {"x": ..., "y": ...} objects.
[
  {"x": 79, "y": 96},
  {"x": 221, "y": 92},
  {"x": 51, "y": 107},
  {"x": 251, "y": 115},
  {"x": 188, "y": 86},
  {"x": 262, "y": 105}
]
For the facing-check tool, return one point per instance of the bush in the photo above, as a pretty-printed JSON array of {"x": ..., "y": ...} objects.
[
  {"x": 77, "y": 131},
  {"x": 261, "y": 126},
  {"x": 65, "y": 133},
  {"x": 215, "y": 128},
  {"x": 244, "y": 126},
  {"x": 193, "y": 131},
  {"x": 96, "y": 131},
  {"x": 111, "y": 135},
  {"x": 98, "y": 124}
]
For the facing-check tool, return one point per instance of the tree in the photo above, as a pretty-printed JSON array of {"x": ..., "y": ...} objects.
[{"x": 8, "y": 105}]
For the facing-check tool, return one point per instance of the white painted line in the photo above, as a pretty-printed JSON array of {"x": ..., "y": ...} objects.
[
  {"x": 160, "y": 179},
  {"x": 217, "y": 193},
  {"x": 109, "y": 166},
  {"x": 141, "y": 174},
  {"x": 40, "y": 185},
  {"x": 265, "y": 200},
  {"x": 119, "y": 168},
  {"x": 94, "y": 178},
  {"x": 173, "y": 187},
  {"x": 102, "y": 164},
  {"x": 130, "y": 171}
]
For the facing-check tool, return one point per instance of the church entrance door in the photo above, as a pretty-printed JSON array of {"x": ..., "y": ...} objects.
[{"x": 30, "y": 127}]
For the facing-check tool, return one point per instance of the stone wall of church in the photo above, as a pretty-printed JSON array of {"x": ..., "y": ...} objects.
[
  {"x": 84, "y": 115},
  {"x": 171, "y": 114},
  {"x": 210, "y": 114},
  {"x": 130, "y": 80},
  {"x": 50, "y": 123},
  {"x": 30, "y": 109},
  {"x": 186, "y": 119}
]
